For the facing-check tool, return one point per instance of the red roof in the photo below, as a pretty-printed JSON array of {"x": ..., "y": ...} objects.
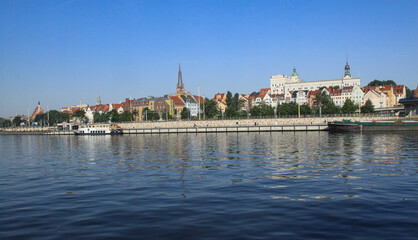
[
  {"x": 336, "y": 92},
  {"x": 264, "y": 91},
  {"x": 312, "y": 93},
  {"x": 177, "y": 100},
  {"x": 221, "y": 96},
  {"x": 38, "y": 110},
  {"x": 199, "y": 99},
  {"x": 385, "y": 87},
  {"x": 262, "y": 95},
  {"x": 245, "y": 96},
  {"x": 398, "y": 89},
  {"x": 280, "y": 96}
]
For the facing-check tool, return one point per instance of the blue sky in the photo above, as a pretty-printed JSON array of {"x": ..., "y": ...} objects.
[{"x": 60, "y": 51}]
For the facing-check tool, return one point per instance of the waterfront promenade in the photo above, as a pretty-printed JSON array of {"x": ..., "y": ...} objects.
[{"x": 208, "y": 126}]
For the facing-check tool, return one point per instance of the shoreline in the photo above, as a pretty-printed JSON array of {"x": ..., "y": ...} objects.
[{"x": 210, "y": 126}]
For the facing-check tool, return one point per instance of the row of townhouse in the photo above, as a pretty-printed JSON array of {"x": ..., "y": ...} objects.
[
  {"x": 89, "y": 111},
  {"x": 171, "y": 104},
  {"x": 160, "y": 105},
  {"x": 385, "y": 96},
  {"x": 380, "y": 96}
]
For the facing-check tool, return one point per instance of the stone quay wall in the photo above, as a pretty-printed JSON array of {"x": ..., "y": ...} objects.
[
  {"x": 269, "y": 122},
  {"x": 245, "y": 122}
]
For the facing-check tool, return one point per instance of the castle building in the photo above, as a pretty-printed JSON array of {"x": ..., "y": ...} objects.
[{"x": 281, "y": 84}]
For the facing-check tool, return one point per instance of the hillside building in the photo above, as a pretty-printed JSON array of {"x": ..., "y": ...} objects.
[{"x": 280, "y": 84}]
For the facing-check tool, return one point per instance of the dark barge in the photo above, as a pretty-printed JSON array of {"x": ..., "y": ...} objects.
[{"x": 365, "y": 126}]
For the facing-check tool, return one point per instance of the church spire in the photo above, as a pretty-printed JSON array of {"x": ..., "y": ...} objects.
[
  {"x": 180, "y": 85},
  {"x": 98, "y": 100}
]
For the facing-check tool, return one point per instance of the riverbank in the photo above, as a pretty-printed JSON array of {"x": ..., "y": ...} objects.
[
  {"x": 267, "y": 122},
  {"x": 209, "y": 126}
]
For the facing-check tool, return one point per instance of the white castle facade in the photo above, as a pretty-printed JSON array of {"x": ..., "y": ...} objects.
[{"x": 282, "y": 84}]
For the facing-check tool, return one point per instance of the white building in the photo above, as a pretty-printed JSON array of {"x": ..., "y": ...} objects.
[
  {"x": 280, "y": 84},
  {"x": 379, "y": 99},
  {"x": 191, "y": 104}
]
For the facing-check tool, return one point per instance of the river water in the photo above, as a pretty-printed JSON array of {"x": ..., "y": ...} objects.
[{"x": 291, "y": 185}]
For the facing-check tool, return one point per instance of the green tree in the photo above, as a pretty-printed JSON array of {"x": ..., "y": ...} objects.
[
  {"x": 66, "y": 117},
  {"x": 100, "y": 117},
  {"x": 134, "y": 114},
  {"x": 231, "y": 112},
  {"x": 17, "y": 120},
  {"x": 331, "y": 108},
  {"x": 380, "y": 83},
  {"x": 408, "y": 92},
  {"x": 126, "y": 116},
  {"x": 262, "y": 110},
  {"x": 80, "y": 115},
  {"x": 348, "y": 107},
  {"x": 113, "y": 115},
  {"x": 368, "y": 107},
  {"x": 228, "y": 99},
  {"x": 185, "y": 113},
  {"x": 40, "y": 118},
  {"x": 149, "y": 115},
  {"x": 5, "y": 123},
  {"x": 211, "y": 110},
  {"x": 153, "y": 116},
  {"x": 166, "y": 115},
  {"x": 55, "y": 117},
  {"x": 235, "y": 101},
  {"x": 97, "y": 117},
  {"x": 321, "y": 99},
  {"x": 305, "y": 109},
  {"x": 287, "y": 109}
]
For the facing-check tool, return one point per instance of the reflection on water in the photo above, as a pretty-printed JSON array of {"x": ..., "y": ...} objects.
[{"x": 240, "y": 184}]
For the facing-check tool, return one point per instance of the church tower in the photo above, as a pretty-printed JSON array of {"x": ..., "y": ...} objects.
[
  {"x": 347, "y": 73},
  {"x": 295, "y": 77},
  {"x": 180, "y": 85},
  {"x": 99, "y": 102}
]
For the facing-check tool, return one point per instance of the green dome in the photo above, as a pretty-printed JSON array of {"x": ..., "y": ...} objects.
[{"x": 294, "y": 72}]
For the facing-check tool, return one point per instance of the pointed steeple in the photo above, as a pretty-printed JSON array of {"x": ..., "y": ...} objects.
[
  {"x": 98, "y": 100},
  {"x": 180, "y": 85}
]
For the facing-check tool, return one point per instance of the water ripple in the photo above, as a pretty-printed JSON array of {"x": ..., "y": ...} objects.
[{"x": 292, "y": 185}]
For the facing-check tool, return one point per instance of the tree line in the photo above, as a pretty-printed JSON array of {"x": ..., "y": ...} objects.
[{"x": 53, "y": 117}]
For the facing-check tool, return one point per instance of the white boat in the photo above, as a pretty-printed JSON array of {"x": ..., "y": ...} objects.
[{"x": 99, "y": 129}]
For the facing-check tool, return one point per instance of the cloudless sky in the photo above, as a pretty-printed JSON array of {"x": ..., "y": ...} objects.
[{"x": 58, "y": 52}]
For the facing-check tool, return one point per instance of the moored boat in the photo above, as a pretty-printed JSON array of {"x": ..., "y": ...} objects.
[
  {"x": 99, "y": 129},
  {"x": 362, "y": 126}
]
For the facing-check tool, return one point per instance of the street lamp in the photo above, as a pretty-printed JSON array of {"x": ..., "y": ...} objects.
[
  {"x": 298, "y": 95},
  {"x": 198, "y": 100},
  {"x": 204, "y": 112},
  {"x": 381, "y": 104}
]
